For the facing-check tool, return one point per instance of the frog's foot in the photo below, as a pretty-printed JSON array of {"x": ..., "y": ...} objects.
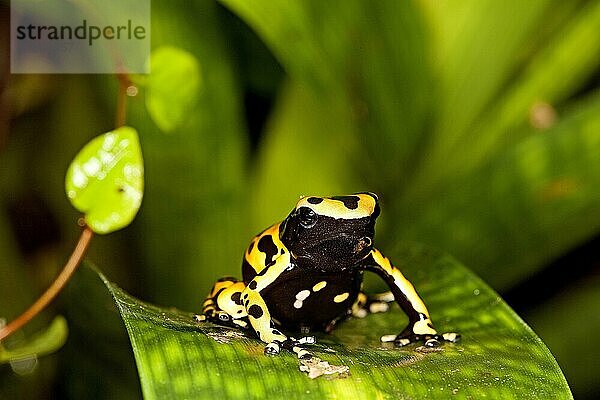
[
  {"x": 430, "y": 340},
  {"x": 291, "y": 344},
  {"x": 366, "y": 305},
  {"x": 222, "y": 318}
]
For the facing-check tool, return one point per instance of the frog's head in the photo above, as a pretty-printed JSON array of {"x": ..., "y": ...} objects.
[{"x": 331, "y": 233}]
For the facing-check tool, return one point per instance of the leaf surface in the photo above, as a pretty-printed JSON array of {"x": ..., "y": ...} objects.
[{"x": 499, "y": 355}]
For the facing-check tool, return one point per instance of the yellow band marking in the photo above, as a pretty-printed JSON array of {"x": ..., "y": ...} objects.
[
  {"x": 401, "y": 282},
  {"x": 337, "y": 209}
]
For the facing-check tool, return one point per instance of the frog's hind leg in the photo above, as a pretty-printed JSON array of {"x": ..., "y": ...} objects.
[
  {"x": 371, "y": 304},
  {"x": 223, "y": 305}
]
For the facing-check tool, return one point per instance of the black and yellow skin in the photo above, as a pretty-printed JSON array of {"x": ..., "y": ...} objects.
[{"x": 305, "y": 273}]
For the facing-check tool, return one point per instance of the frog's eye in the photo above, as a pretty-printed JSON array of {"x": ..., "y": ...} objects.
[{"x": 308, "y": 218}]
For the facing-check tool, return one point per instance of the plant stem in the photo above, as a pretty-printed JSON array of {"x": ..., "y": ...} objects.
[
  {"x": 55, "y": 288},
  {"x": 82, "y": 244},
  {"x": 124, "y": 82}
]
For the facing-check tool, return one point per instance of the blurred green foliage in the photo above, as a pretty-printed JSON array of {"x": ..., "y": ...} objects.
[
  {"x": 477, "y": 123},
  {"x": 45, "y": 342}
]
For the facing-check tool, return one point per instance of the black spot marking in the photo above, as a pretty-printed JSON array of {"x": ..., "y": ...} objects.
[
  {"x": 267, "y": 246},
  {"x": 236, "y": 297},
  {"x": 252, "y": 285},
  {"x": 282, "y": 251},
  {"x": 239, "y": 311},
  {"x": 255, "y": 311},
  {"x": 248, "y": 272},
  {"x": 251, "y": 246},
  {"x": 315, "y": 200},
  {"x": 429, "y": 324},
  {"x": 120, "y": 189},
  {"x": 276, "y": 332},
  {"x": 350, "y": 202},
  {"x": 264, "y": 271}
]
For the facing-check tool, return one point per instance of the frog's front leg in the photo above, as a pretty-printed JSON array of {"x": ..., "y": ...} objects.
[
  {"x": 265, "y": 329},
  {"x": 260, "y": 317},
  {"x": 420, "y": 327}
]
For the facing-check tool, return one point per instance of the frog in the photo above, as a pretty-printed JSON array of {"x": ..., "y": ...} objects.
[{"x": 305, "y": 273}]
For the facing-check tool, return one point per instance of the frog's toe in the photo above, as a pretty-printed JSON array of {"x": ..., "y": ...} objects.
[
  {"x": 429, "y": 340},
  {"x": 401, "y": 341},
  {"x": 295, "y": 346},
  {"x": 398, "y": 340},
  {"x": 272, "y": 348},
  {"x": 199, "y": 317},
  {"x": 307, "y": 340},
  {"x": 222, "y": 318},
  {"x": 301, "y": 353},
  {"x": 376, "y": 307},
  {"x": 451, "y": 337}
]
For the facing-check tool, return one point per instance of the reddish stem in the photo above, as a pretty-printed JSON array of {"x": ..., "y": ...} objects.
[
  {"x": 124, "y": 83},
  {"x": 55, "y": 288},
  {"x": 82, "y": 244}
]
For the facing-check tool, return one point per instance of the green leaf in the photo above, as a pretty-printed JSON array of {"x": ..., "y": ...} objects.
[
  {"x": 474, "y": 52},
  {"x": 499, "y": 355},
  {"x": 173, "y": 86},
  {"x": 43, "y": 343},
  {"x": 105, "y": 181},
  {"x": 569, "y": 328},
  {"x": 366, "y": 63},
  {"x": 512, "y": 215},
  {"x": 572, "y": 53},
  {"x": 98, "y": 350}
]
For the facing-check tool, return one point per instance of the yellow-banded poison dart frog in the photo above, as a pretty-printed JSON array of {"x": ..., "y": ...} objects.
[{"x": 305, "y": 274}]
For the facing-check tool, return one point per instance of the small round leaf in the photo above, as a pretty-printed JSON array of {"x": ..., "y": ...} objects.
[
  {"x": 47, "y": 341},
  {"x": 172, "y": 86},
  {"x": 105, "y": 181}
]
